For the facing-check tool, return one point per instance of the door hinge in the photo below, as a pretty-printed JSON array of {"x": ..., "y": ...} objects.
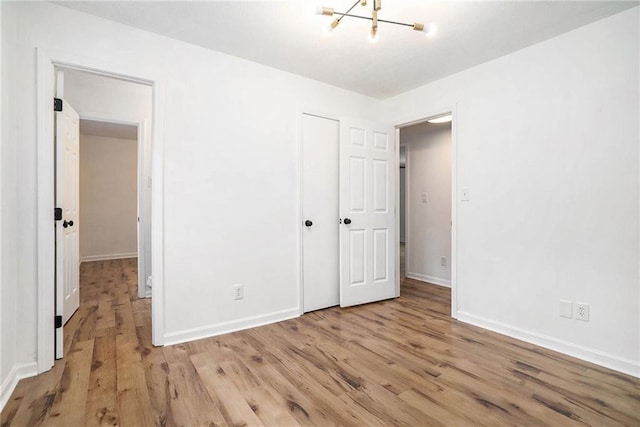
[
  {"x": 57, "y": 104},
  {"x": 58, "y": 322},
  {"x": 57, "y": 214}
]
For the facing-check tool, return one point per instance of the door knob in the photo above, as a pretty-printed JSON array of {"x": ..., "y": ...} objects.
[
  {"x": 308, "y": 223},
  {"x": 66, "y": 223},
  {"x": 347, "y": 221}
]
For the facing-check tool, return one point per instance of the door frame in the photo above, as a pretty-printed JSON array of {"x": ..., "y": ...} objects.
[
  {"x": 407, "y": 235},
  {"x": 140, "y": 184},
  {"x": 47, "y": 61},
  {"x": 421, "y": 118}
]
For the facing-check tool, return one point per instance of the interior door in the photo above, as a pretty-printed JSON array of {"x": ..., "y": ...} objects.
[
  {"x": 320, "y": 213},
  {"x": 367, "y": 210},
  {"x": 67, "y": 198}
]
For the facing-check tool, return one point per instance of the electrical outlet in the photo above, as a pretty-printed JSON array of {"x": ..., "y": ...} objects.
[
  {"x": 424, "y": 197},
  {"x": 581, "y": 311},
  {"x": 238, "y": 291},
  {"x": 443, "y": 261}
]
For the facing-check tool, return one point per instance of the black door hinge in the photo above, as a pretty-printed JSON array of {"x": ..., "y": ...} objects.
[
  {"x": 57, "y": 214},
  {"x": 58, "y": 322},
  {"x": 57, "y": 104}
]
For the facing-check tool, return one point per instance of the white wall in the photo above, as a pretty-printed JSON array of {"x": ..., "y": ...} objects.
[
  {"x": 231, "y": 138},
  {"x": 108, "y": 198},
  {"x": 547, "y": 142},
  {"x": 428, "y": 223}
]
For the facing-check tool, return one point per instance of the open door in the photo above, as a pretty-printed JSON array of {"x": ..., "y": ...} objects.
[
  {"x": 367, "y": 213},
  {"x": 67, "y": 198}
]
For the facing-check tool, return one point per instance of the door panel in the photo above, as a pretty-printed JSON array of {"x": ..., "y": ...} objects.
[
  {"x": 367, "y": 209},
  {"x": 67, "y": 230},
  {"x": 320, "y": 246}
]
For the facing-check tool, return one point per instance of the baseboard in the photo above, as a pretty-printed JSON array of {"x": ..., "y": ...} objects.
[
  {"x": 598, "y": 357},
  {"x": 226, "y": 327},
  {"x": 431, "y": 279},
  {"x": 17, "y": 373},
  {"x": 108, "y": 257}
]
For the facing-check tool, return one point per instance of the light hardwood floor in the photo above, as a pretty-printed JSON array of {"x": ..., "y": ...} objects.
[{"x": 398, "y": 362}]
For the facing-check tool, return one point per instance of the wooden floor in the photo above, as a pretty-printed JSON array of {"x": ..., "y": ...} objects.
[{"x": 399, "y": 362}]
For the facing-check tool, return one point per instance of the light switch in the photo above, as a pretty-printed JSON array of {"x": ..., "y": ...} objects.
[
  {"x": 424, "y": 197},
  {"x": 566, "y": 309},
  {"x": 465, "y": 194}
]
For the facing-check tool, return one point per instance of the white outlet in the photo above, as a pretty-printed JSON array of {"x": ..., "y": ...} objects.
[
  {"x": 581, "y": 311},
  {"x": 424, "y": 197},
  {"x": 443, "y": 261},
  {"x": 238, "y": 291}
]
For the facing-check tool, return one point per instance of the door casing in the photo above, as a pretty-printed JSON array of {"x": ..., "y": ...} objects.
[{"x": 47, "y": 61}]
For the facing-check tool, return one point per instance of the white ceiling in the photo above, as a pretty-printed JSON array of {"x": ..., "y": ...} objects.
[
  {"x": 108, "y": 130},
  {"x": 284, "y": 35}
]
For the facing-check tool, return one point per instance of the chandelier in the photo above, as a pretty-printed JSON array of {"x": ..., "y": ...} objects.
[{"x": 377, "y": 5}]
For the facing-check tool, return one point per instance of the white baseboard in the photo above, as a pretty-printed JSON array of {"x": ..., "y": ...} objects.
[
  {"x": 431, "y": 279},
  {"x": 598, "y": 357},
  {"x": 226, "y": 327},
  {"x": 107, "y": 257},
  {"x": 17, "y": 373}
]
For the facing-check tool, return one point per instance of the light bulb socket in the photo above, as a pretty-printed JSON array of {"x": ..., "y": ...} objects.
[
  {"x": 321, "y": 10},
  {"x": 334, "y": 24},
  {"x": 418, "y": 26},
  {"x": 363, "y": 3}
]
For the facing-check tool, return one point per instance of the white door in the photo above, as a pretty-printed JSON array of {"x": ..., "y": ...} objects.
[
  {"x": 368, "y": 170},
  {"x": 320, "y": 214},
  {"x": 67, "y": 198}
]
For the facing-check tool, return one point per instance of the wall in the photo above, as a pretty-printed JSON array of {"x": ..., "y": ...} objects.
[
  {"x": 230, "y": 133},
  {"x": 13, "y": 364},
  {"x": 108, "y": 198},
  {"x": 429, "y": 223},
  {"x": 547, "y": 143}
]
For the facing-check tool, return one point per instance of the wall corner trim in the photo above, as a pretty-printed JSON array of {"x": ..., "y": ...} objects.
[
  {"x": 231, "y": 326},
  {"x": 607, "y": 360},
  {"x": 18, "y": 372}
]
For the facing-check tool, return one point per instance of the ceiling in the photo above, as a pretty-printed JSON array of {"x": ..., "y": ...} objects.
[
  {"x": 108, "y": 130},
  {"x": 285, "y": 35}
]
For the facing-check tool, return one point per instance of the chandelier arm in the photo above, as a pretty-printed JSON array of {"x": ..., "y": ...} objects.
[
  {"x": 347, "y": 13},
  {"x": 342, "y": 15}
]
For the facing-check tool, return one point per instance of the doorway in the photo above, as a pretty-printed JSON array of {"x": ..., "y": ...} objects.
[
  {"x": 430, "y": 203},
  {"x": 48, "y": 62},
  {"x": 113, "y": 220}
]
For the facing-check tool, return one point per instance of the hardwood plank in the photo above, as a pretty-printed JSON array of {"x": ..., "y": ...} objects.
[
  {"x": 69, "y": 406},
  {"x": 134, "y": 405},
  {"x": 102, "y": 399}
]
